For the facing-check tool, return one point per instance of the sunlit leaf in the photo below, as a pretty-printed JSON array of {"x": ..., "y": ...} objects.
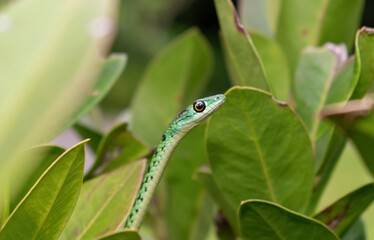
[
  {"x": 105, "y": 202},
  {"x": 44, "y": 211},
  {"x": 38, "y": 160}
]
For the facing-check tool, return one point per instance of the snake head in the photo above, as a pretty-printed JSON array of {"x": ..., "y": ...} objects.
[{"x": 197, "y": 112}]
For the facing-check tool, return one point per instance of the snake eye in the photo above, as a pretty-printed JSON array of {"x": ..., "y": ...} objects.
[{"x": 199, "y": 106}]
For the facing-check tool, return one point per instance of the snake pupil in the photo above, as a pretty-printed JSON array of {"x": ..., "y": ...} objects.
[{"x": 199, "y": 106}]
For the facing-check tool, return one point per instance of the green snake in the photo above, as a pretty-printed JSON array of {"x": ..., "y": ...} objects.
[{"x": 190, "y": 117}]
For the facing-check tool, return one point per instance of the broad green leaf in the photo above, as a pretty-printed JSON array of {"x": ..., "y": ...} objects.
[
  {"x": 50, "y": 75},
  {"x": 244, "y": 62},
  {"x": 313, "y": 78},
  {"x": 105, "y": 202},
  {"x": 364, "y": 66},
  {"x": 44, "y": 211},
  {"x": 117, "y": 148},
  {"x": 172, "y": 81},
  {"x": 265, "y": 220},
  {"x": 275, "y": 65},
  {"x": 182, "y": 212},
  {"x": 38, "y": 159},
  {"x": 205, "y": 177},
  {"x": 260, "y": 15},
  {"x": 87, "y": 132},
  {"x": 340, "y": 22},
  {"x": 123, "y": 235},
  {"x": 112, "y": 68},
  {"x": 356, "y": 231},
  {"x": 343, "y": 213},
  {"x": 261, "y": 147}
]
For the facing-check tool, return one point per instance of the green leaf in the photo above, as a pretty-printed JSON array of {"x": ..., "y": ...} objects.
[
  {"x": 244, "y": 62},
  {"x": 182, "y": 212},
  {"x": 260, "y": 16},
  {"x": 205, "y": 177},
  {"x": 340, "y": 22},
  {"x": 364, "y": 66},
  {"x": 298, "y": 27},
  {"x": 123, "y": 235},
  {"x": 265, "y": 220},
  {"x": 105, "y": 202},
  {"x": 51, "y": 73},
  {"x": 187, "y": 61},
  {"x": 44, "y": 211},
  {"x": 87, "y": 132},
  {"x": 321, "y": 80},
  {"x": 261, "y": 147},
  {"x": 117, "y": 148},
  {"x": 275, "y": 64},
  {"x": 343, "y": 213},
  {"x": 112, "y": 69},
  {"x": 313, "y": 78},
  {"x": 38, "y": 159}
]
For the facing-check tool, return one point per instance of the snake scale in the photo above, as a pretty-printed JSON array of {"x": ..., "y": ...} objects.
[{"x": 190, "y": 117}]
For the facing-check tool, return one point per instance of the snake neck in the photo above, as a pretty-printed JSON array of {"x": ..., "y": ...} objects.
[{"x": 169, "y": 141}]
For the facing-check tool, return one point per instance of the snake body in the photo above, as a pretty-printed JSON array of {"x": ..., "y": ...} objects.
[{"x": 190, "y": 117}]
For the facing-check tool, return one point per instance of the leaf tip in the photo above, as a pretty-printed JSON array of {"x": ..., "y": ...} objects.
[{"x": 238, "y": 25}]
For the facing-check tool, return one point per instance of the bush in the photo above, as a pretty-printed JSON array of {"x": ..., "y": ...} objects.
[{"x": 256, "y": 170}]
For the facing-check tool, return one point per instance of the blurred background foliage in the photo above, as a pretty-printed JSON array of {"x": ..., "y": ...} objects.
[
  {"x": 182, "y": 40},
  {"x": 145, "y": 27}
]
